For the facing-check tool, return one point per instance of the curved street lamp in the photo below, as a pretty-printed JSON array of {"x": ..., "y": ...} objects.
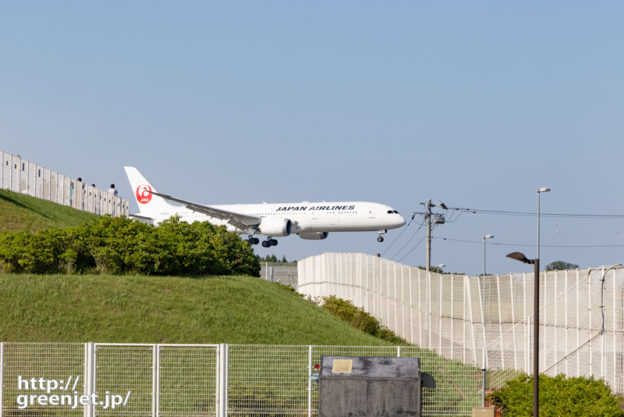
[{"x": 518, "y": 256}]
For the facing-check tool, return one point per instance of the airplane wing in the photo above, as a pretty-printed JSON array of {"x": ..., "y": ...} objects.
[{"x": 240, "y": 221}]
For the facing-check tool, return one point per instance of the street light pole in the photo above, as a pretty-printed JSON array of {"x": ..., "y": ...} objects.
[
  {"x": 536, "y": 301},
  {"x": 485, "y": 302},
  {"x": 484, "y": 239}
]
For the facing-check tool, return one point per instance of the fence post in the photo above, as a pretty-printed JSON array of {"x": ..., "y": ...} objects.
[
  {"x": 1, "y": 370},
  {"x": 310, "y": 367},
  {"x": 155, "y": 380},
  {"x": 89, "y": 372},
  {"x": 223, "y": 380}
]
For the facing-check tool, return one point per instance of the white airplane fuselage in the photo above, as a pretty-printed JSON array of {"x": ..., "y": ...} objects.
[{"x": 306, "y": 216}]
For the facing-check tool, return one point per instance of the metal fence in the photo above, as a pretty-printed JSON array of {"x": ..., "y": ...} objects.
[
  {"x": 22, "y": 176},
  {"x": 487, "y": 321},
  {"x": 51, "y": 379},
  {"x": 279, "y": 272}
]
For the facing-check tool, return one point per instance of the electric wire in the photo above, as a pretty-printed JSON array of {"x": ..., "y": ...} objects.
[
  {"x": 408, "y": 241},
  {"x": 527, "y": 213},
  {"x": 418, "y": 244},
  {"x": 477, "y": 242},
  {"x": 398, "y": 237}
]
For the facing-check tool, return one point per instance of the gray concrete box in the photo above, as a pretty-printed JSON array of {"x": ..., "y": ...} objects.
[{"x": 352, "y": 386}]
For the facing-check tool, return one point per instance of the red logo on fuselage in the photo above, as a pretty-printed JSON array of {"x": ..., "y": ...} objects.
[{"x": 142, "y": 194}]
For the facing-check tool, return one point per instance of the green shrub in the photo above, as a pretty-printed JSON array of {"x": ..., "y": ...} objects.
[
  {"x": 119, "y": 246},
  {"x": 558, "y": 396},
  {"x": 358, "y": 318}
]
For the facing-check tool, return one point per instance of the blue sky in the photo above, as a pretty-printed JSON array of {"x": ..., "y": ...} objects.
[{"x": 475, "y": 104}]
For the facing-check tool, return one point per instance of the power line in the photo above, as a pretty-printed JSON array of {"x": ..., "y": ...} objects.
[
  {"x": 396, "y": 239},
  {"x": 408, "y": 241},
  {"x": 414, "y": 248},
  {"x": 525, "y": 245},
  {"x": 528, "y": 213}
]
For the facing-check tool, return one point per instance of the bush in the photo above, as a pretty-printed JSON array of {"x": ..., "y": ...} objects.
[
  {"x": 358, "y": 318},
  {"x": 119, "y": 246},
  {"x": 559, "y": 396}
]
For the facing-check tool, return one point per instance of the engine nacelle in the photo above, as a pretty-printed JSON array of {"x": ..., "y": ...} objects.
[
  {"x": 314, "y": 235},
  {"x": 272, "y": 226}
]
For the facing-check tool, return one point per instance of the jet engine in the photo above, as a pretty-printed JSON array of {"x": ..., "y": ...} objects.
[
  {"x": 313, "y": 235},
  {"x": 275, "y": 226}
]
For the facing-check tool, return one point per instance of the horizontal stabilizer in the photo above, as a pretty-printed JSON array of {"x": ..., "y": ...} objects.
[{"x": 142, "y": 219}]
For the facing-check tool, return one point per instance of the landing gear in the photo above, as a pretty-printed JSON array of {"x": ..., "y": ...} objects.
[
  {"x": 269, "y": 242},
  {"x": 253, "y": 240},
  {"x": 380, "y": 237}
]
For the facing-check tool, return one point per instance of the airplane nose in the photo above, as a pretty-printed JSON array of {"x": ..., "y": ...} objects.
[{"x": 400, "y": 222}]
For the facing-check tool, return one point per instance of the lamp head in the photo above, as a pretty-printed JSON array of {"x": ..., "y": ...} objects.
[
  {"x": 543, "y": 190},
  {"x": 519, "y": 256},
  {"x": 488, "y": 236}
]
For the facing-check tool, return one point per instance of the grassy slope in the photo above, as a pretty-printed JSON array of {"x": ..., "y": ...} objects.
[
  {"x": 23, "y": 212},
  {"x": 53, "y": 308}
]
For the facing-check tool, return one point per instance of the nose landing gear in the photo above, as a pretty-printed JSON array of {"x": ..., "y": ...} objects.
[{"x": 380, "y": 237}]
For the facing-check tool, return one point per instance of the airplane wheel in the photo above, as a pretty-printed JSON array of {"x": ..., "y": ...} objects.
[
  {"x": 273, "y": 242},
  {"x": 380, "y": 239},
  {"x": 265, "y": 244},
  {"x": 254, "y": 240}
]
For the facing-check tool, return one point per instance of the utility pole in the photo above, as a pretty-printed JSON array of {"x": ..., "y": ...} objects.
[
  {"x": 431, "y": 218},
  {"x": 428, "y": 206}
]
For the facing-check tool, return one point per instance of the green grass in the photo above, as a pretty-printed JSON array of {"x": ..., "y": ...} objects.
[
  {"x": 106, "y": 308},
  {"x": 22, "y": 212}
]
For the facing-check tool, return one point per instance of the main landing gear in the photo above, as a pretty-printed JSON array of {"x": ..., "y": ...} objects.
[
  {"x": 269, "y": 242},
  {"x": 265, "y": 243},
  {"x": 380, "y": 237}
]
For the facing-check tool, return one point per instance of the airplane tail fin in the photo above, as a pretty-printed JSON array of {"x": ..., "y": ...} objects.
[{"x": 150, "y": 205}]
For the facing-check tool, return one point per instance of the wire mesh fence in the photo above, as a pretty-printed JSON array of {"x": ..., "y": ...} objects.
[
  {"x": 487, "y": 321},
  {"x": 29, "y": 370},
  {"x": 202, "y": 380}
]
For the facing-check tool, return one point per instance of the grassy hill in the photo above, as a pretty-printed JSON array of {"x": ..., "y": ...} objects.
[
  {"x": 23, "y": 212},
  {"x": 107, "y": 308}
]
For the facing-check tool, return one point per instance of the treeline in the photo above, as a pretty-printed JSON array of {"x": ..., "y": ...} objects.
[{"x": 123, "y": 246}]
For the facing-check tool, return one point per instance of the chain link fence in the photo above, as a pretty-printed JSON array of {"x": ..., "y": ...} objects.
[
  {"x": 285, "y": 274},
  {"x": 199, "y": 380},
  {"x": 22, "y": 176}
]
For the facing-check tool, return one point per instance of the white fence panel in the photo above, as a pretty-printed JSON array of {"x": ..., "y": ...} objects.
[
  {"x": 21, "y": 176},
  {"x": 487, "y": 321}
]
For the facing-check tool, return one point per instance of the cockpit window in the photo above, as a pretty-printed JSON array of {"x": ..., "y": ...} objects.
[
  {"x": 389, "y": 211},
  {"x": 392, "y": 212}
]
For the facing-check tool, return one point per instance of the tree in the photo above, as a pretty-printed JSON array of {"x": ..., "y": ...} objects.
[{"x": 560, "y": 266}]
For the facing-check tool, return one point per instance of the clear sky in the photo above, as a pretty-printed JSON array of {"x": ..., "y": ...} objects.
[{"x": 475, "y": 104}]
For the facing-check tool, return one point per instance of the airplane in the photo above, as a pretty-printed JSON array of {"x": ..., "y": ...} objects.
[{"x": 308, "y": 220}]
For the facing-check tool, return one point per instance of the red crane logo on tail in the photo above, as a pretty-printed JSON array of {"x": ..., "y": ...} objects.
[{"x": 143, "y": 195}]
